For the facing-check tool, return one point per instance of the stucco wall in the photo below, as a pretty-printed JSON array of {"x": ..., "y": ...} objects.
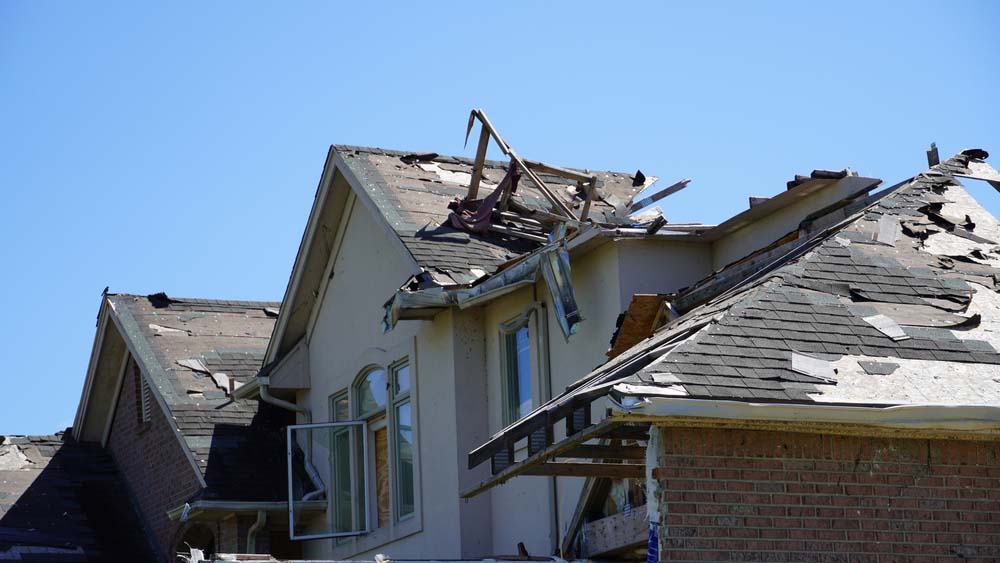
[
  {"x": 347, "y": 337},
  {"x": 652, "y": 266},
  {"x": 772, "y": 227}
]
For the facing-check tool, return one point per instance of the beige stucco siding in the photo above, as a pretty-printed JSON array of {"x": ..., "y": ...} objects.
[{"x": 347, "y": 337}]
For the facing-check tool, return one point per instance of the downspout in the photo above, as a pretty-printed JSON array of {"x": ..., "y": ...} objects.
[
  {"x": 265, "y": 395},
  {"x": 538, "y": 310},
  {"x": 252, "y": 532}
]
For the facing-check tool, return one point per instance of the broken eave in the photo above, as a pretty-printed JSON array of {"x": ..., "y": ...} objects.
[{"x": 585, "y": 452}]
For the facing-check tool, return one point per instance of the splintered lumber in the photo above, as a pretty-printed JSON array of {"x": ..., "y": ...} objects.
[
  {"x": 616, "y": 533},
  {"x": 639, "y": 322},
  {"x": 610, "y": 470}
]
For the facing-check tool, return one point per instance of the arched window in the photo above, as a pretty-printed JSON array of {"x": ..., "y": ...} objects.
[
  {"x": 371, "y": 390},
  {"x": 380, "y": 396}
]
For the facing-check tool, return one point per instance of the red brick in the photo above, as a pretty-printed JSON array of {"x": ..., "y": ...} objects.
[{"x": 785, "y": 496}]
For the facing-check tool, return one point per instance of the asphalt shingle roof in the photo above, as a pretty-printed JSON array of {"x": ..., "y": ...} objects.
[
  {"x": 238, "y": 445},
  {"x": 821, "y": 306},
  {"x": 64, "y": 501}
]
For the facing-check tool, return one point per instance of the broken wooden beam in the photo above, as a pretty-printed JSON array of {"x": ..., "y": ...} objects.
[
  {"x": 609, "y": 470},
  {"x": 477, "y": 167},
  {"x": 616, "y": 533},
  {"x": 558, "y": 171},
  {"x": 503, "y": 229},
  {"x": 594, "y": 451},
  {"x": 658, "y": 195}
]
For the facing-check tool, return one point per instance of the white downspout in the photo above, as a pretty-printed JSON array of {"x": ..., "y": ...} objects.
[
  {"x": 538, "y": 310},
  {"x": 265, "y": 395},
  {"x": 252, "y": 532}
]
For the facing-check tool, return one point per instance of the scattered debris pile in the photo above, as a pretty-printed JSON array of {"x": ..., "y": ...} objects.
[{"x": 542, "y": 206}]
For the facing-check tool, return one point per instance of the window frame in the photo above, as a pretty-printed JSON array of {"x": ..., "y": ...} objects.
[
  {"x": 509, "y": 412},
  {"x": 396, "y": 399},
  {"x": 397, "y": 526}
]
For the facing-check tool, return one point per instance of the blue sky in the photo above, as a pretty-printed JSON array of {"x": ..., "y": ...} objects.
[{"x": 176, "y": 146}]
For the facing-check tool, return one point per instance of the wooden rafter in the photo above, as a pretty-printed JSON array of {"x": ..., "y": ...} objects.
[{"x": 547, "y": 454}]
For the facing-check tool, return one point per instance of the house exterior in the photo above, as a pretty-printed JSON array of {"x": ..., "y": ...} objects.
[
  {"x": 833, "y": 397},
  {"x": 199, "y": 467},
  {"x": 409, "y": 342}
]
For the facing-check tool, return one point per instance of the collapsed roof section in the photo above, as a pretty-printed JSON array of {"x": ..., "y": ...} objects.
[
  {"x": 880, "y": 307},
  {"x": 537, "y": 213}
]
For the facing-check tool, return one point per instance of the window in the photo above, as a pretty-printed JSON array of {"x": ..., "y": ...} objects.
[
  {"x": 403, "y": 441},
  {"x": 370, "y": 447},
  {"x": 382, "y": 399},
  {"x": 515, "y": 342}
]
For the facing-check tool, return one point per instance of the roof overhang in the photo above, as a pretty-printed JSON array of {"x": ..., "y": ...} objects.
[
  {"x": 950, "y": 420},
  {"x": 316, "y": 249},
  {"x": 101, "y": 385},
  {"x": 612, "y": 448},
  {"x": 113, "y": 345}
]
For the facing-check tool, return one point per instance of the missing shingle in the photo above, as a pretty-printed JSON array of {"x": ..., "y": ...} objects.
[
  {"x": 813, "y": 367},
  {"x": 271, "y": 311},
  {"x": 886, "y": 326},
  {"x": 194, "y": 365},
  {"x": 878, "y": 368},
  {"x": 889, "y": 230},
  {"x": 160, "y": 330},
  {"x": 12, "y": 458}
]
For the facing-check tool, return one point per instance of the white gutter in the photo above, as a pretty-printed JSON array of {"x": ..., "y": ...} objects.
[
  {"x": 977, "y": 419},
  {"x": 252, "y": 532}
]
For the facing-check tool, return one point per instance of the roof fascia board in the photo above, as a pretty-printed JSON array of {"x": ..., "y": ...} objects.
[
  {"x": 328, "y": 270},
  {"x": 121, "y": 318},
  {"x": 88, "y": 383},
  {"x": 114, "y": 400},
  {"x": 298, "y": 267},
  {"x": 782, "y": 200},
  {"x": 366, "y": 200},
  {"x": 973, "y": 419}
]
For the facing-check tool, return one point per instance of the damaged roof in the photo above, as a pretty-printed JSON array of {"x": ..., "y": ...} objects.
[
  {"x": 897, "y": 305},
  {"x": 64, "y": 501},
  {"x": 886, "y": 301},
  {"x": 412, "y": 193},
  {"x": 193, "y": 350}
]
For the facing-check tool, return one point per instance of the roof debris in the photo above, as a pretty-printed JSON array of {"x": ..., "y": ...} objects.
[
  {"x": 813, "y": 367},
  {"x": 878, "y": 368},
  {"x": 886, "y": 326},
  {"x": 534, "y": 209}
]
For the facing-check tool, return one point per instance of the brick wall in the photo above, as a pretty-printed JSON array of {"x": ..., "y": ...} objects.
[
  {"x": 734, "y": 495},
  {"x": 155, "y": 467}
]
